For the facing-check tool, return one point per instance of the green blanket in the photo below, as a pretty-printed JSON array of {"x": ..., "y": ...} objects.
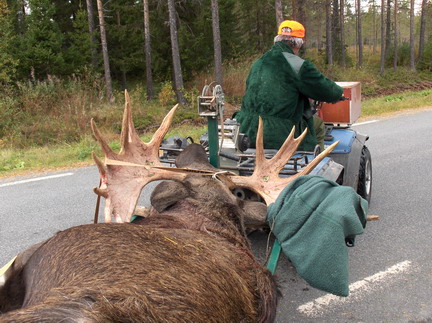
[{"x": 314, "y": 219}]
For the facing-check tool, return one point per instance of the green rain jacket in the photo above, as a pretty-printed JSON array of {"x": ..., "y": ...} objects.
[{"x": 278, "y": 89}]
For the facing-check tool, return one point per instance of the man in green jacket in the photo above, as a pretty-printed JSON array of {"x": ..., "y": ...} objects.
[{"x": 278, "y": 89}]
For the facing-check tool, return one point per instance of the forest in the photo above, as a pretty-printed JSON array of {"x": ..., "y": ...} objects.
[{"x": 63, "y": 62}]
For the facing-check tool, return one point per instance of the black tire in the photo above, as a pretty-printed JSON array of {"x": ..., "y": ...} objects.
[{"x": 364, "y": 187}]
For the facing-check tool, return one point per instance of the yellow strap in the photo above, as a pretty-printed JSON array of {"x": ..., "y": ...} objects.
[
  {"x": 185, "y": 170},
  {"x": 4, "y": 269},
  {"x": 123, "y": 163},
  {"x": 195, "y": 171}
]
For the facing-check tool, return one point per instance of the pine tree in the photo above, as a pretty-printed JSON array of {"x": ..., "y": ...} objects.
[
  {"x": 256, "y": 24},
  {"x": 78, "y": 55},
  {"x": 8, "y": 63},
  {"x": 41, "y": 52}
]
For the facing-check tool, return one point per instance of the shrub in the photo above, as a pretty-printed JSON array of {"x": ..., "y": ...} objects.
[
  {"x": 403, "y": 53},
  {"x": 166, "y": 94},
  {"x": 425, "y": 63}
]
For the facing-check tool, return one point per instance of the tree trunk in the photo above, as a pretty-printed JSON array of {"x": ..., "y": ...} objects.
[
  {"x": 92, "y": 31},
  {"x": 294, "y": 9},
  {"x": 374, "y": 28},
  {"x": 329, "y": 50},
  {"x": 21, "y": 17},
  {"x": 318, "y": 25},
  {"x": 147, "y": 48},
  {"x": 122, "y": 67},
  {"x": 356, "y": 30},
  {"x": 359, "y": 33},
  {"x": 279, "y": 13},
  {"x": 395, "y": 60},
  {"x": 342, "y": 32},
  {"x": 422, "y": 29},
  {"x": 412, "y": 58},
  {"x": 388, "y": 29},
  {"x": 178, "y": 77},
  {"x": 302, "y": 18},
  {"x": 301, "y": 13},
  {"x": 105, "y": 52},
  {"x": 336, "y": 28},
  {"x": 382, "y": 38},
  {"x": 319, "y": 33},
  {"x": 217, "y": 42}
]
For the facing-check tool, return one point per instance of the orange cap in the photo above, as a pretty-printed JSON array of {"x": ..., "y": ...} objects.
[{"x": 291, "y": 28}]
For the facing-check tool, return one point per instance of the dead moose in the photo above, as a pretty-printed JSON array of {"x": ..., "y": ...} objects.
[{"x": 188, "y": 260}]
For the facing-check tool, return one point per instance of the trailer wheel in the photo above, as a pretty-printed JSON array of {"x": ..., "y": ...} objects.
[{"x": 364, "y": 188}]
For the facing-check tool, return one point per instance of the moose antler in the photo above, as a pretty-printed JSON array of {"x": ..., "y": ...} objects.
[
  {"x": 124, "y": 174},
  {"x": 265, "y": 179}
]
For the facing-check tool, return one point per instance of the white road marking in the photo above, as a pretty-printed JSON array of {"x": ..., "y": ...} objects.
[
  {"x": 35, "y": 179},
  {"x": 362, "y": 123},
  {"x": 357, "y": 289}
]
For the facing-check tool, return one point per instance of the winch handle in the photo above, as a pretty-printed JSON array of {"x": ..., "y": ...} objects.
[{"x": 343, "y": 98}]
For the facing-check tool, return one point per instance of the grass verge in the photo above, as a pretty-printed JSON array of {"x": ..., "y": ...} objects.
[{"x": 15, "y": 162}]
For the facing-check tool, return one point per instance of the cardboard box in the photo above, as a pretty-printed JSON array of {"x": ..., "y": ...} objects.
[{"x": 343, "y": 112}]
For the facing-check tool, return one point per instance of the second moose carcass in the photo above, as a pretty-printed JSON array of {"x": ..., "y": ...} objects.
[{"x": 189, "y": 260}]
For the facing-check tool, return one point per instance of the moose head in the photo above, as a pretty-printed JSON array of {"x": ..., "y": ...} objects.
[{"x": 124, "y": 174}]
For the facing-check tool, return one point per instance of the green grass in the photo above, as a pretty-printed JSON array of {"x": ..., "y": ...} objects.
[
  {"x": 397, "y": 102},
  {"x": 18, "y": 161}
]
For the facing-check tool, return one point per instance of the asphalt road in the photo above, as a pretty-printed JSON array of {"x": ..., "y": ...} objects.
[{"x": 390, "y": 266}]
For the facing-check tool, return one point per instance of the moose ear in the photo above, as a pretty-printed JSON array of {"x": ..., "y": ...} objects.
[
  {"x": 167, "y": 194},
  {"x": 256, "y": 214},
  {"x": 193, "y": 156}
]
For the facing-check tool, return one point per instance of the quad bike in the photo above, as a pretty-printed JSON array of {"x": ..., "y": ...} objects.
[{"x": 349, "y": 164}]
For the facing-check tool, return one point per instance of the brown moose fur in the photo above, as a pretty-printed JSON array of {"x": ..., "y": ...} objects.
[{"x": 188, "y": 261}]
